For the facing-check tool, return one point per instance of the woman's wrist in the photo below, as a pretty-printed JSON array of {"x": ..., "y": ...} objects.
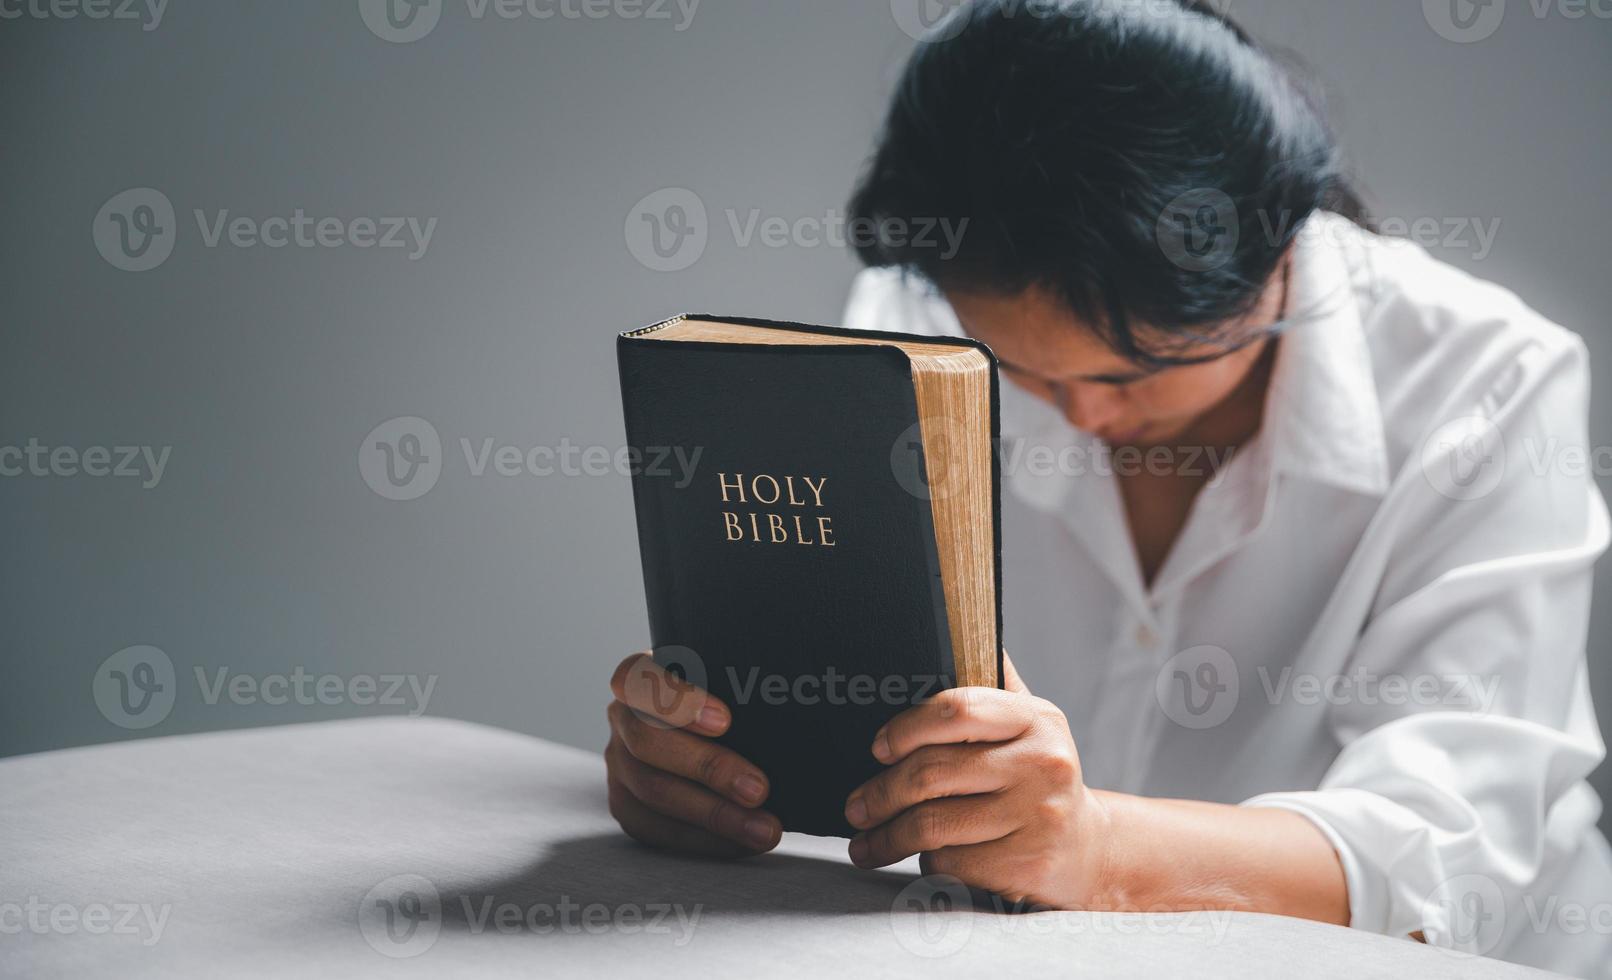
[
  {"x": 1181, "y": 856},
  {"x": 1135, "y": 869}
]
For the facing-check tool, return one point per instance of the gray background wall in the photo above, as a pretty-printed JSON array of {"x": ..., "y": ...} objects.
[{"x": 262, "y": 548}]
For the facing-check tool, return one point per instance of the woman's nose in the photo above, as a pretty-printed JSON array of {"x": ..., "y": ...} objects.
[{"x": 1090, "y": 407}]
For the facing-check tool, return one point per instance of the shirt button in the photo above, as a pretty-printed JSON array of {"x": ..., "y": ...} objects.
[{"x": 1145, "y": 637}]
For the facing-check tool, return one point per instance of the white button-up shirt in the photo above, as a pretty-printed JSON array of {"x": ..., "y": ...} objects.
[{"x": 1375, "y": 615}]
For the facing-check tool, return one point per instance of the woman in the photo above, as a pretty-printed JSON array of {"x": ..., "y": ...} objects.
[{"x": 1305, "y": 613}]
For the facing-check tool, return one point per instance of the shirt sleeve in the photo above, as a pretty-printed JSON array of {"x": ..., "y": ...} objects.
[
  {"x": 889, "y": 299},
  {"x": 1496, "y": 523}
]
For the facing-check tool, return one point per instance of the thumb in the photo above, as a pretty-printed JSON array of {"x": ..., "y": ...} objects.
[{"x": 1011, "y": 681}]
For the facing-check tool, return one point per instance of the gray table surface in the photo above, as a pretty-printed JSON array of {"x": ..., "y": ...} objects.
[{"x": 426, "y": 847}]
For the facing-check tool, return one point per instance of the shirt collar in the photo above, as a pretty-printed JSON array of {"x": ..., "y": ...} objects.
[{"x": 1322, "y": 415}]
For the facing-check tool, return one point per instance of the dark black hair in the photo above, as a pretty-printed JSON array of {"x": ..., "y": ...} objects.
[{"x": 1076, "y": 137}]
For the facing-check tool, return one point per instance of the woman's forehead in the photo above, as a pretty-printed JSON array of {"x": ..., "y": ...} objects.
[{"x": 1035, "y": 334}]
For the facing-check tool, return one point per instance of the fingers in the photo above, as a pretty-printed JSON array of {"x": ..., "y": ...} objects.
[
  {"x": 962, "y": 714},
  {"x": 999, "y": 867},
  {"x": 670, "y": 785},
  {"x": 952, "y": 822},
  {"x": 667, "y": 700},
  {"x": 932, "y": 772},
  {"x": 680, "y": 801},
  {"x": 689, "y": 756},
  {"x": 658, "y": 830}
]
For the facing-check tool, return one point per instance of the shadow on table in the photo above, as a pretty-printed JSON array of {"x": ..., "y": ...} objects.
[{"x": 614, "y": 871}]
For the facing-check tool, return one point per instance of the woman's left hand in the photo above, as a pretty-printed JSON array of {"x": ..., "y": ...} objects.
[{"x": 986, "y": 785}]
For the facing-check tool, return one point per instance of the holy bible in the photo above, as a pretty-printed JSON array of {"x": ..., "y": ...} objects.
[{"x": 832, "y": 556}]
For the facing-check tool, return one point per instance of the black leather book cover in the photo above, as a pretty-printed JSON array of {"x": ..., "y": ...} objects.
[{"x": 792, "y": 570}]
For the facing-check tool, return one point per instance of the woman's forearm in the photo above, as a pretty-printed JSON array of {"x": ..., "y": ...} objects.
[{"x": 1164, "y": 855}]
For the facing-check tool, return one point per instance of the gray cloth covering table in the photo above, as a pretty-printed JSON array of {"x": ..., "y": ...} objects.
[{"x": 423, "y": 847}]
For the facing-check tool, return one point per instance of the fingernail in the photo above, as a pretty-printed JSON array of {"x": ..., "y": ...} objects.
[
  {"x": 856, "y": 811},
  {"x": 749, "y": 788},
  {"x": 859, "y": 850},
  {"x": 759, "y": 831},
  {"x": 712, "y": 718},
  {"x": 881, "y": 747}
]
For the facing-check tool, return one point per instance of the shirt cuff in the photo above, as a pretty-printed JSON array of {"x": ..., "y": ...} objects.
[{"x": 1369, "y": 904}]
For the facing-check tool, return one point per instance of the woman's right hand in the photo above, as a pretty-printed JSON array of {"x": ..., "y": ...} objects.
[{"x": 670, "y": 785}]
